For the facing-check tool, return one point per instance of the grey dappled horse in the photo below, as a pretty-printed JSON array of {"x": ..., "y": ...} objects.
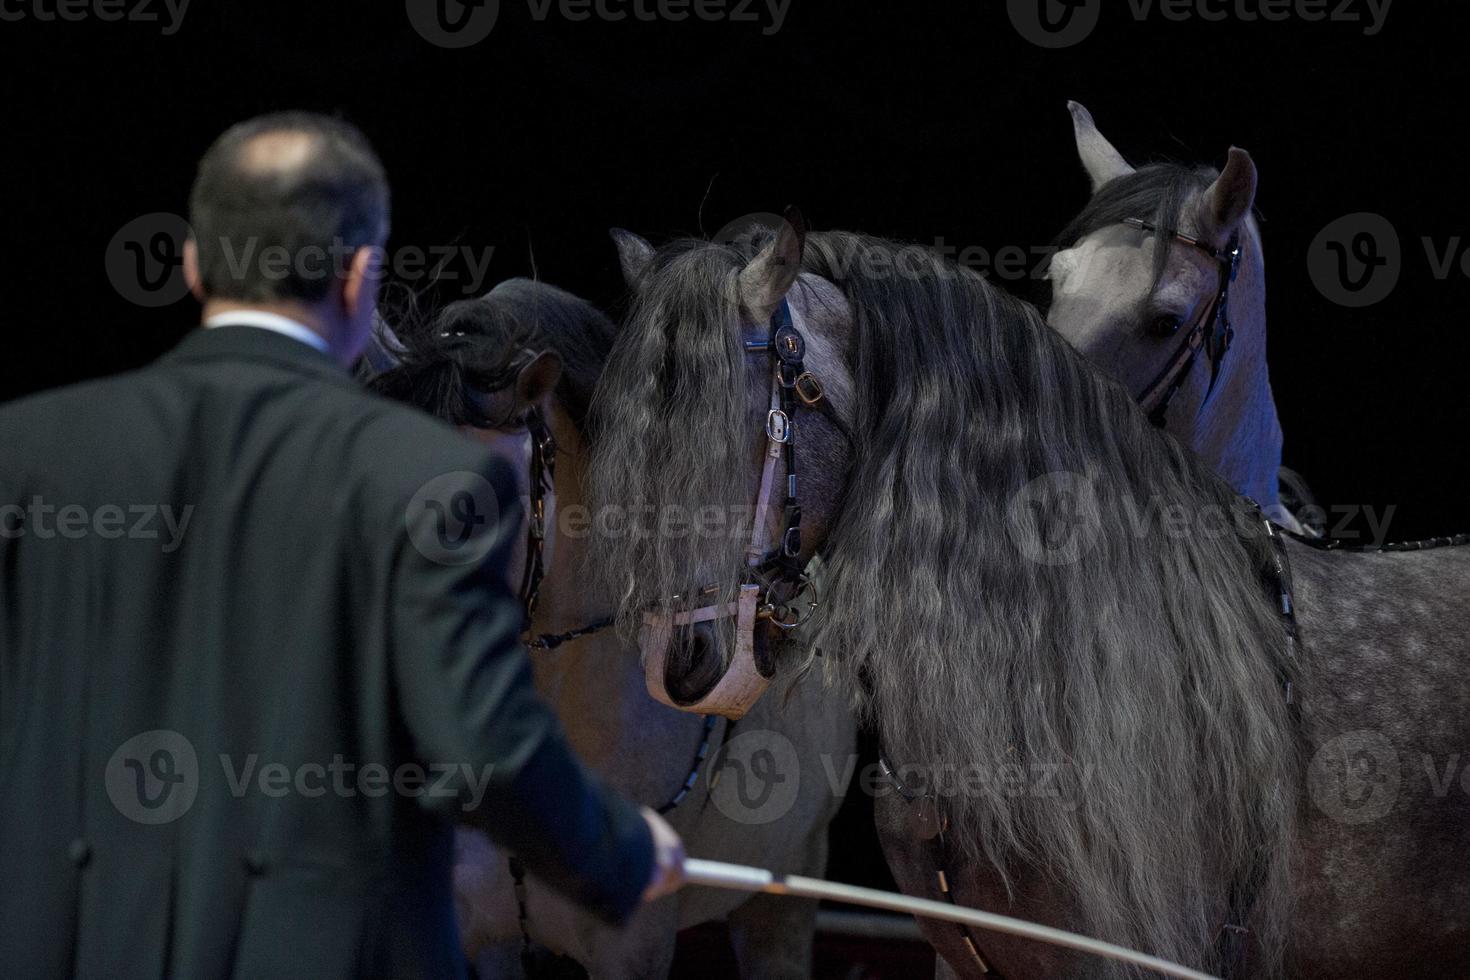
[{"x": 1062, "y": 624}]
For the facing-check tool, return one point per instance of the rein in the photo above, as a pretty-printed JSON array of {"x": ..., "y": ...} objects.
[{"x": 1212, "y": 333}]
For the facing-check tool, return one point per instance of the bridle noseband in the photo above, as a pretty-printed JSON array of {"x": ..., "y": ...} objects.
[{"x": 1212, "y": 332}]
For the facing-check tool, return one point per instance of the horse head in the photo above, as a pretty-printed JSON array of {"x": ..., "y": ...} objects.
[{"x": 720, "y": 443}]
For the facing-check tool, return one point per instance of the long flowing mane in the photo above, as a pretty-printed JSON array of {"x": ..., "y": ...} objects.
[
  {"x": 1024, "y": 573},
  {"x": 1024, "y": 577}
]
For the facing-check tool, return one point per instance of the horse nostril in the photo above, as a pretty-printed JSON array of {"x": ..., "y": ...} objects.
[
  {"x": 698, "y": 647},
  {"x": 695, "y": 666}
]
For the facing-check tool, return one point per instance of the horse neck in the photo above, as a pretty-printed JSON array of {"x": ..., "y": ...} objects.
[
  {"x": 595, "y": 683},
  {"x": 1239, "y": 433}
]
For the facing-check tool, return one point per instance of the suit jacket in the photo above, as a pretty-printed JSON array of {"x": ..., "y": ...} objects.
[{"x": 249, "y": 676}]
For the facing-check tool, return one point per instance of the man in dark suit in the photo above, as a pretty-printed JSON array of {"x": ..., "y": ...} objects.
[{"x": 258, "y": 649}]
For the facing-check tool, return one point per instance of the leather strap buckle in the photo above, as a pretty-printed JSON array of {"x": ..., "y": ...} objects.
[
  {"x": 779, "y": 428},
  {"x": 809, "y": 389}
]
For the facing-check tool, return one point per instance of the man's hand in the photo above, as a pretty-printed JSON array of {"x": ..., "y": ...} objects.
[{"x": 668, "y": 858}]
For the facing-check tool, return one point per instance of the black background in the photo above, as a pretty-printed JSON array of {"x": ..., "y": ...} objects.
[
  {"x": 911, "y": 120},
  {"x": 916, "y": 121}
]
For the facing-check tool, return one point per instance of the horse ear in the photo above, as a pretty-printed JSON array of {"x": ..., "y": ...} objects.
[
  {"x": 537, "y": 379},
  {"x": 384, "y": 350},
  {"x": 767, "y": 278},
  {"x": 633, "y": 253},
  {"x": 1230, "y": 198},
  {"x": 1100, "y": 159}
]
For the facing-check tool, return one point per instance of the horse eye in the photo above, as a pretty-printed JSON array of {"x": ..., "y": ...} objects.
[{"x": 1165, "y": 325}]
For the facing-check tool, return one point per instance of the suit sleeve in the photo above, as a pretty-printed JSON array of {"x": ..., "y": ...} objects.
[{"x": 464, "y": 684}]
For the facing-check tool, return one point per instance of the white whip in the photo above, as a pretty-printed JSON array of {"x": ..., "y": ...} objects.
[{"x": 738, "y": 877}]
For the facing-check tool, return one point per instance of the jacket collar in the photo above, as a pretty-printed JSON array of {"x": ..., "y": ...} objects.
[{"x": 229, "y": 342}]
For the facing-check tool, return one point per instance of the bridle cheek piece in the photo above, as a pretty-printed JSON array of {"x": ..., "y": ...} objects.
[
  {"x": 776, "y": 591},
  {"x": 543, "y": 480},
  {"x": 1212, "y": 333}
]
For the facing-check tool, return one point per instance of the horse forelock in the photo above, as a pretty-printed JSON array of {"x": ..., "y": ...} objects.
[
  {"x": 673, "y": 424},
  {"x": 1132, "y": 687}
]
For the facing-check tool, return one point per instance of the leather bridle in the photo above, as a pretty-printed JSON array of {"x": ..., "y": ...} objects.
[
  {"x": 1212, "y": 333},
  {"x": 543, "y": 481},
  {"x": 775, "y": 589},
  {"x": 792, "y": 385}
]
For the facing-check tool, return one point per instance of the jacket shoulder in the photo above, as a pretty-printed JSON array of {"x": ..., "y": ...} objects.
[{"x": 400, "y": 454}]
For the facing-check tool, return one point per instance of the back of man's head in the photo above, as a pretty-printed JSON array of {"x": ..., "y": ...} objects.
[{"x": 280, "y": 204}]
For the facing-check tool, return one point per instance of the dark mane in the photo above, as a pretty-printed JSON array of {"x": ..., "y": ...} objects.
[
  {"x": 1156, "y": 193},
  {"x": 479, "y": 345},
  {"x": 1022, "y": 573}
]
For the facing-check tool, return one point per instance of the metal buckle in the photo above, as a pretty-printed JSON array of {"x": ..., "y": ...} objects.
[
  {"x": 789, "y": 615},
  {"x": 808, "y": 388},
  {"x": 779, "y": 428},
  {"x": 788, "y": 344}
]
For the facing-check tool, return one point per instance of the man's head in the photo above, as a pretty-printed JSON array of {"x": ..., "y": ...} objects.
[{"x": 289, "y": 213}]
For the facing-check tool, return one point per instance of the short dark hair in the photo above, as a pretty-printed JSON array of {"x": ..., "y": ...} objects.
[{"x": 286, "y": 232}]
